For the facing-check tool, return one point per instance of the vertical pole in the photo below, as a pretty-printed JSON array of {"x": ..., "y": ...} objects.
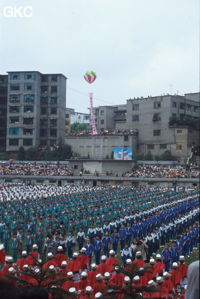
[{"x": 92, "y": 116}]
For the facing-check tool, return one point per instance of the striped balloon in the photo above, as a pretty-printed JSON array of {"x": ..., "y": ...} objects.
[{"x": 90, "y": 77}]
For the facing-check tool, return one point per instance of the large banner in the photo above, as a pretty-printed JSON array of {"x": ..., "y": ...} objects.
[{"x": 123, "y": 153}]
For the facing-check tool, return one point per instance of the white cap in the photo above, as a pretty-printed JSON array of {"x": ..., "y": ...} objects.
[
  {"x": 166, "y": 274},
  {"x": 72, "y": 290},
  {"x": 138, "y": 253},
  {"x": 158, "y": 278},
  {"x": 25, "y": 266},
  {"x": 51, "y": 267},
  {"x": 88, "y": 289},
  {"x": 64, "y": 263},
  {"x": 1, "y": 246},
  {"x": 98, "y": 276},
  {"x": 11, "y": 269},
  {"x": 107, "y": 274},
  {"x": 103, "y": 257},
  {"x": 111, "y": 252},
  {"x": 174, "y": 264},
  {"x": 50, "y": 254},
  {"x": 8, "y": 259},
  {"x": 93, "y": 265},
  {"x": 70, "y": 274},
  {"x": 98, "y": 295},
  {"x": 181, "y": 258},
  {"x": 75, "y": 254},
  {"x": 60, "y": 248},
  {"x": 137, "y": 277},
  {"x": 152, "y": 261},
  {"x": 127, "y": 278},
  {"x": 83, "y": 249},
  {"x": 84, "y": 274},
  {"x": 150, "y": 282},
  {"x": 35, "y": 246},
  {"x": 158, "y": 256},
  {"x": 24, "y": 252},
  {"x": 128, "y": 261},
  {"x": 37, "y": 270},
  {"x": 141, "y": 269}
]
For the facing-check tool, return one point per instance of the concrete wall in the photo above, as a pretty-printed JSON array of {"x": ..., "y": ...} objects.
[{"x": 99, "y": 147}]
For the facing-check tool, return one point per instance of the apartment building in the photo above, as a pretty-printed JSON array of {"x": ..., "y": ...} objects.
[
  {"x": 3, "y": 110},
  {"x": 35, "y": 109}
]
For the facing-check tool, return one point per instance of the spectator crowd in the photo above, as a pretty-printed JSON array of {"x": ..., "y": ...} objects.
[
  {"x": 30, "y": 168},
  {"x": 154, "y": 171}
]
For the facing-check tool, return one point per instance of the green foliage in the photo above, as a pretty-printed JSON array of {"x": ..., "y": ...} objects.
[
  {"x": 21, "y": 155},
  {"x": 148, "y": 156},
  {"x": 80, "y": 127},
  {"x": 167, "y": 156},
  {"x": 187, "y": 121}
]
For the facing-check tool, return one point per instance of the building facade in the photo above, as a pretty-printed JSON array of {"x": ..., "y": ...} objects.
[
  {"x": 35, "y": 109},
  {"x": 151, "y": 117},
  {"x": 80, "y": 118},
  {"x": 3, "y": 110},
  {"x": 69, "y": 112}
]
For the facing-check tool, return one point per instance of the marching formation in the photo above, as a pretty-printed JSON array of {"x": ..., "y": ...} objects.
[{"x": 84, "y": 233}]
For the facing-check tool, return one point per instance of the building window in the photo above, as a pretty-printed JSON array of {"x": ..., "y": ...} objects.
[
  {"x": 102, "y": 121},
  {"x": 14, "y": 119},
  {"x": 54, "y": 78},
  {"x": 101, "y": 112},
  {"x": 43, "y": 142},
  {"x": 14, "y": 87},
  {"x": 135, "y": 107},
  {"x": 196, "y": 108},
  {"x": 150, "y": 146},
  {"x": 157, "y": 105},
  {"x": 53, "y": 122},
  {"x": 53, "y": 101},
  {"x": 53, "y": 89},
  {"x": 44, "y": 89},
  {"x": 28, "y": 87},
  {"x": 13, "y": 142},
  {"x": 53, "y": 142},
  {"x": 13, "y": 131},
  {"x": 173, "y": 104},
  {"x": 126, "y": 137},
  {"x": 14, "y": 98},
  {"x": 28, "y": 131},
  {"x": 44, "y": 100},
  {"x": 156, "y": 132},
  {"x": 28, "y": 109},
  {"x": 14, "y": 76},
  {"x": 29, "y": 98},
  {"x": 179, "y": 147},
  {"x": 44, "y": 78},
  {"x": 67, "y": 115},
  {"x": 43, "y": 133},
  {"x": 43, "y": 122},
  {"x": 182, "y": 105},
  {"x": 135, "y": 117},
  {"x": 53, "y": 110},
  {"x": 14, "y": 109},
  {"x": 67, "y": 123},
  {"x": 179, "y": 131},
  {"x": 28, "y": 142},
  {"x": 163, "y": 146},
  {"x": 29, "y": 76},
  {"x": 53, "y": 132},
  {"x": 28, "y": 121},
  {"x": 156, "y": 117},
  {"x": 173, "y": 114},
  {"x": 43, "y": 110}
]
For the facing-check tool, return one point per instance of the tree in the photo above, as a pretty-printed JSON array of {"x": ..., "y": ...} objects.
[
  {"x": 148, "y": 156},
  {"x": 32, "y": 154},
  {"x": 21, "y": 155},
  {"x": 167, "y": 156},
  {"x": 63, "y": 152},
  {"x": 77, "y": 127}
]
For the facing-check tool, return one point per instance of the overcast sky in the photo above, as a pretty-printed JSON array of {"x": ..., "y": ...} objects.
[{"x": 136, "y": 47}]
